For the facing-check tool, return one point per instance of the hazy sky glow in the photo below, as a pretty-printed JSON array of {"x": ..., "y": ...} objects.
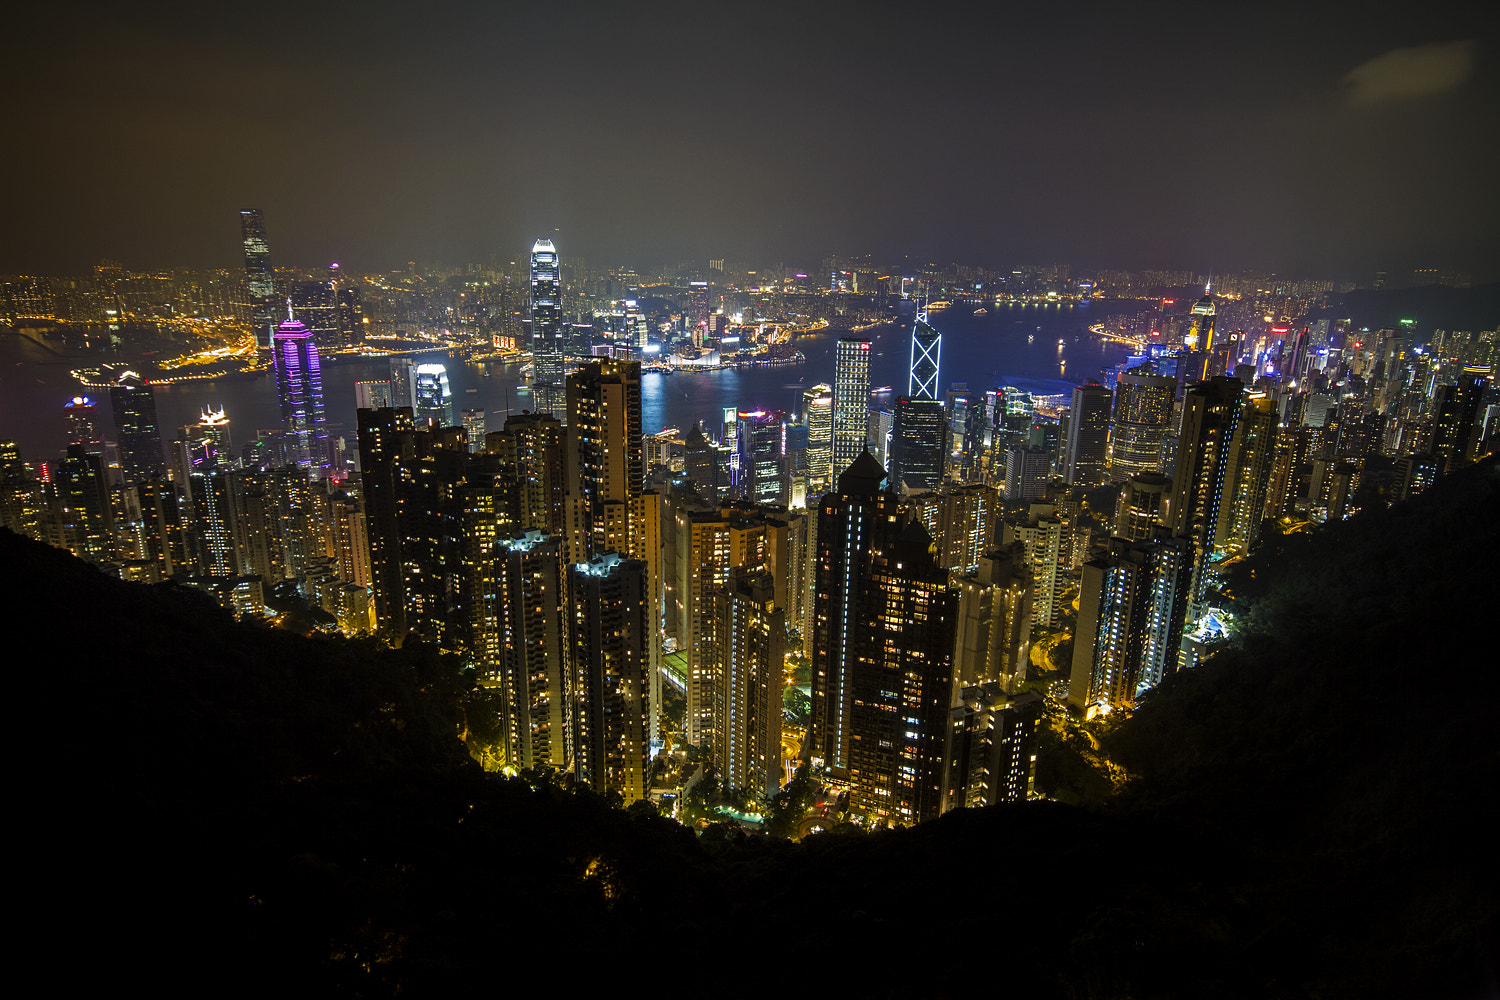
[{"x": 1308, "y": 140}]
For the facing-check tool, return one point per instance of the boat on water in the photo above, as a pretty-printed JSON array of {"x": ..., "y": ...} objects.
[{"x": 981, "y": 311}]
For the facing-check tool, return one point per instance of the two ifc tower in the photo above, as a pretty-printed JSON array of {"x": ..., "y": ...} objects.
[{"x": 299, "y": 373}]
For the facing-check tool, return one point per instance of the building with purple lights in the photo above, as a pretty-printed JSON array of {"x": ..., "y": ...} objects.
[{"x": 299, "y": 390}]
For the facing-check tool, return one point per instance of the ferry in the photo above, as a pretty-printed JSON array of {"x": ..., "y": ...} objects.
[{"x": 981, "y": 311}]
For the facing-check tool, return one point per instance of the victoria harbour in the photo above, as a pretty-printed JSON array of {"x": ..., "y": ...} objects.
[{"x": 1043, "y": 349}]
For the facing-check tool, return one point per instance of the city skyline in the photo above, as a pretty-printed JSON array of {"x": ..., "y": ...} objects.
[{"x": 1335, "y": 141}]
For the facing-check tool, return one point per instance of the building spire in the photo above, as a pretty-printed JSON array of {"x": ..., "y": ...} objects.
[{"x": 289, "y": 316}]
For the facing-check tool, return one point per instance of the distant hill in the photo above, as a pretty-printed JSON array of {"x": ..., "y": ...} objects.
[
  {"x": 1434, "y": 307},
  {"x": 211, "y": 807}
]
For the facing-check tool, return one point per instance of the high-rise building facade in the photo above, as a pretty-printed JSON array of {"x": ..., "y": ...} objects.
[
  {"x": 707, "y": 543},
  {"x": 1142, "y": 417},
  {"x": 532, "y": 444},
  {"x": 993, "y": 644},
  {"x": 750, "y": 630},
  {"x": 606, "y": 505},
  {"x": 299, "y": 391},
  {"x": 547, "y": 347},
  {"x": 762, "y": 467},
  {"x": 1041, "y": 531},
  {"x": 1141, "y": 506},
  {"x": 1248, "y": 477},
  {"x": 1026, "y": 471},
  {"x": 961, "y": 521},
  {"x": 883, "y": 634},
  {"x": 817, "y": 414},
  {"x": 1131, "y": 610},
  {"x": 900, "y": 682},
  {"x": 926, "y": 349},
  {"x": 1211, "y": 413},
  {"x": 432, "y": 395},
  {"x": 609, "y": 629},
  {"x": 851, "y": 402},
  {"x": 531, "y": 612},
  {"x": 261, "y": 279},
  {"x": 991, "y": 751},
  {"x": 81, "y": 419},
  {"x": 1088, "y": 435},
  {"x": 137, "y": 432},
  {"x": 918, "y": 444}
]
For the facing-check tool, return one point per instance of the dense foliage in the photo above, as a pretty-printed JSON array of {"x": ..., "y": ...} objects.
[{"x": 220, "y": 807}]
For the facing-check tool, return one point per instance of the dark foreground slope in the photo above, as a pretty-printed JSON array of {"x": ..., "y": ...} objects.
[{"x": 218, "y": 808}]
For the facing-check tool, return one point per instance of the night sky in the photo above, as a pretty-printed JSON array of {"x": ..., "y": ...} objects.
[{"x": 1309, "y": 140}]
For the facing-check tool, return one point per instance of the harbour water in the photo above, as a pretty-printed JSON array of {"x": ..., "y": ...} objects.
[{"x": 1043, "y": 348}]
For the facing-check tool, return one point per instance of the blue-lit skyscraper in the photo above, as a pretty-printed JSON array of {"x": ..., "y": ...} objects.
[
  {"x": 547, "y": 392},
  {"x": 299, "y": 390},
  {"x": 926, "y": 346},
  {"x": 919, "y": 434}
]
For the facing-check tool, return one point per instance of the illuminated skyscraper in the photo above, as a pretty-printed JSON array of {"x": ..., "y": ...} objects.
[
  {"x": 750, "y": 629},
  {"x": 81, "y": 417},
  {"x": 961, "y": 521},
  {"x": 1041, "y": 530},
  {"x": 926, "y": 346},
  {"x": 1142, "y": 417},
  {"x": 919, "y": 436},
  {"x": 547, "y": 392},
  {"x": 883, "y": 641},
  {"x": 206, "y": 445},
  {"x": 991, "y": 747},
  {"x": 432, "y": 396},
  {"x": 259, "y": 275},
  {"x": 1131, "y": 608},
  {"x": 1200, "y": 335},
  {"x": 1211, "y": 412},
  {"x": 817, "y": 413},
  {"x": 21, "y": 496},
  {"x": 410, "y": 480},
  {"x": 1088, "y": 435},
  {"x": 606, "y": 505},
  {"x": 80, "y": 512},
  {"x": 1248, "y": 477},
  {"x": 299, "y": 390},
  {"x": 762, "y": 468},
  {"x": 1142, "y": 504},
  {"x": 707, "y": 542},
  {"x": 852, "y": 521},
  {"x": 636, "y": 332},
  {"x": 993, "y": 644},
  {"x": 532, "y": 443},
  {"x": 851, "y": 402},
  {"x": 136, "y": 431},
  {"x": 1453, "y": 429},
  {"x": 611, "y": 630},
  {"x": 531, "y": 617}
]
